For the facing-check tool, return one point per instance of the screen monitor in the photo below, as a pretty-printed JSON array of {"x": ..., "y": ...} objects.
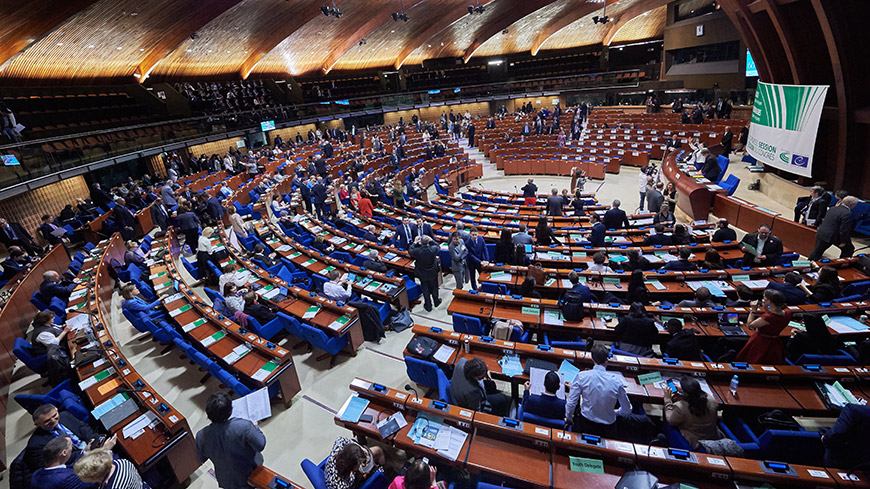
[
  {"x": 267, "y": 125},
  {"x": 10, "y": 160}
]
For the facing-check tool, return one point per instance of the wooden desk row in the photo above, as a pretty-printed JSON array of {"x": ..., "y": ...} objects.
[
  {"x": 532, "y": 456},
  {"x": 748, "y": 216},
  {"x": 166, "y": 440}
]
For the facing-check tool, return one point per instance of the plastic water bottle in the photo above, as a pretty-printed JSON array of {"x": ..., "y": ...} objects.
[{"x": 734, "y": 383}]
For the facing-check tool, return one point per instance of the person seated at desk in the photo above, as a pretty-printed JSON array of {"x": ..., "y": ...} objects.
[
  {"x": 268, "y": 259},
  {"x": 664, "y": 215},
  {"x": 712, "y": 260},
  {"x": 101, "y": 467},
  {"x": 692, "y": 411},
  {"x": 134, "y": 305},
  {"x": 826, "y": 288},
  {"x": 522, "y": 237},
  {"x": 46, "y": 334},
  {"x": 767, "y": 320},
  {"x": 349, "y": 464},
  {"x": 338, "y": 289},
  {"x": 419, "y": 475},
  {"x": 599, "y": 260},
  {"x": 320, "y": 244},
  {"x": 51, "y": 424},
  {"x": 600, "y": 391},
  {"x": 710, "y": 169},
  {"x": 657, "y": 237},
  {"x": 636, "y": 331},
  {"x": 52, "y": 286},
  {"x": 816, "y": 340},
  {"x": 233, "y": 298},
  {"x": 544, "y": 235},
  {"x": 637, "y": 288},
  {"x": 683, "y": 343},
  {"x": 744, "y": 296},
  {"x": 635, "y": 261},
  {"x": 846, "y": 443},
  {"x": 683, "y": 264},
  {"x": 703, "y": 298},
  {"x": 373, "y": 262},
  {"x": 760, "y": 249},
  {"x": 615, "y": 217},
  {"x": 527, "y": 288},
  {"x": 369, "y": 234},
  {"x": 680, "y": 236},
  {"x": 231, "y": 274},
  {"x": 132, "y": 254},
  {"x": 472, "y": 388},
  {"x": 365, "y": 205},
  {"x": 723, "y": 232},
  {"x": 263, "y": 314},
  {"x": 18, "y": 261},
  {"x": 55, "y": 474},
  {"x": 580, "y": 288},
  {"x": 545, "y": 405},
  {"x": 794, "y": 295},
  {"x": 504, "y": 248}
]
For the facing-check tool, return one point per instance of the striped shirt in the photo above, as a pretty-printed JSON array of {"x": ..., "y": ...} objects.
[{"x": 125, "y": 477}]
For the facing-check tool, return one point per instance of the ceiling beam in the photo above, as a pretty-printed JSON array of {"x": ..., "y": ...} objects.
[
  {"x": 343, "y": 44},
  {"x": 558, "y": 23},
  {"x": 32, "y": 21},
  {"x": 632, "y": 13},
  {"x": 518, "y": 10},
  {"x": 431, "y": 30},
  {"x": 204, "y": 13},
  {"x": 301, "y": 15}
]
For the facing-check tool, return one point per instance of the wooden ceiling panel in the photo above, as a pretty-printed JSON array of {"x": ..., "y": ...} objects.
[
  {"x": 521, "y": 34},
  {"x": 583, "y": 32},
  {"x": 647, "y": 25},
  {"x": 107, "y": 40},
  {"x": 224, "y": 45}
]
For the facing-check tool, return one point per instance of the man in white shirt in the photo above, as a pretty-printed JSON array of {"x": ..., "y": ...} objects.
[
  {"x": 600, "y": 391},
  {"x": 337, "y": 289}
]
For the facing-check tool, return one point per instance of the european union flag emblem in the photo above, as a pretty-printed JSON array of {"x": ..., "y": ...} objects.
[{"x": 800, "y": 160}]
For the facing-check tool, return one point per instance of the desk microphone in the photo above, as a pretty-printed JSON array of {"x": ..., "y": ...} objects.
[
  {"x": 127, "y": 390},
  {"x": 409, "y": 388}
]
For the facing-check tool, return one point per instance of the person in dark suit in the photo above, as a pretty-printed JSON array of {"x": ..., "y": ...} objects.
[
  {"x": 320, "y": 165},
  {"x": 256, "y": 310},
  {"x": 50, "y": 424},
  {"x": 131, "y": 255},
  {"x": 374, "y": 263},
  {"x": 530, "y": 192},
  {"x": 234, "y": 445},
  {"x": 14, "y": 234},
  {"x": 811, "y": 210},
  {"x": 545, "y": 405},
  {"x": 683, "y": 264},
  {"x": 683, "y": 343},
  {"x": 49, "y": 231},
  {"x": 55, "y": 474},
  {"x": 125, "y": 219},
  {"x": 160, "y": 216},
  {"x": 615, "y": 217},
  {"x": 789, "y": 289},
  {"x": 52, "y": 286},
  {"x": 598, "y": 231},
  {"x": 423, "y": 229},
  {"x": 767, "y": 256},
  {"x": 836, "y": 229},
  {"x": 215, "y": 208},
  {"x": 18, "y": 261},
  {"x": 636, "y": 261},
  {"x": 472, "y": 388},
  {"x": 427, "y": 267},
  {"x": 100, "y": 196},
  {"x": 305, "y": 191},
  {"x": 405, "y": 233},
  {"x": 711, "y": 169},
  {"x": 268, "y": 259},
  {"x": 318, "y": 196},
  {"x": 470, "y": 132},
  {"x": 723, "y": 232},
  {"x": 727, "y": 142},
  {"x": 846, "y": 443},
  {"x": 580, "y": 288},
  {"x": 544, "y": 235},
  {"x": 477, "y": 253},
  {"x": 659, "y": 238},
  {"x": 554, "y": 204}
]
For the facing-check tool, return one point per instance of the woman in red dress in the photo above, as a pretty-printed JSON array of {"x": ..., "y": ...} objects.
[{"x": 764, "y": 346}]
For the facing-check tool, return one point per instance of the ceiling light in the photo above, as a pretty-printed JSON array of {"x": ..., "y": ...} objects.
[
  {"x": 60, "y": 44},
  {"x": 495, "y": 62}
]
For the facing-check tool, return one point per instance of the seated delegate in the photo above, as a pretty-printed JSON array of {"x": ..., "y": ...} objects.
[{"x": 546, "y": 404}]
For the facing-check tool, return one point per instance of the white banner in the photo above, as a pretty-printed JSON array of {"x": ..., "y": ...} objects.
[{"x": 785, "y": 121}]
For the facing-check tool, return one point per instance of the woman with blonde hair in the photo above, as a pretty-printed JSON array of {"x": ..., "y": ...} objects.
[{"x": 98, "y": 467}]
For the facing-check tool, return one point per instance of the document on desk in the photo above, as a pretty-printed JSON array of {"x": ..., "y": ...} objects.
[
  {"x": 78, "y": 294},
  {"x": 511, "y": 365},
  {"x": 78, "y": 322},
  {"x": 846, "y": 324},
  {"x": 443, "y": 353},
  {"x": 254, "y": 407},
  {"x": 568, "y": 371},
  {"x": 138, "y": 425},
  {"x": 457, "y": 441},
  {"x": 756, "y": 284},
  {"x": 353, "y": 408}
]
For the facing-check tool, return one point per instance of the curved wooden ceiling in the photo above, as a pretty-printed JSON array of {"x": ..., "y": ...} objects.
[{"x": 84, "y": 41}]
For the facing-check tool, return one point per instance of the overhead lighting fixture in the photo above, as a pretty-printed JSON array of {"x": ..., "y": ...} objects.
[
  {"x": 401, "y": 14},
  {"x": 495, "y": 62},
  {"x": 603, "y": 19},
  {"x": 333, "y": 11},
  {"x": 362, "y": 42},
  {"x": 476, "y": 9},
  {"x": 506, "y": 31}
]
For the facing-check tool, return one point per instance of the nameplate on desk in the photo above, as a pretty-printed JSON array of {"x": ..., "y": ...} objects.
[
  {"x": 532, "y": 311},
  {"x": 157, "y": 275},
  {"x": 339, "y": 323},
  {"x": 180, "y": 310},
  {"x": 610, "y": 280},
  {"x": 587, "y": 465},
  {"x": 311, "y": 312},
  {"x": 98, "y": 377},
  {"x": 187, "y": 328},
  {"x": 650, "y": 378},
  {"x": 163, "y": 285}
]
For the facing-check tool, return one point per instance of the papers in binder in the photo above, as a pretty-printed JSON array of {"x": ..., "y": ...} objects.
[
  {"x": 353, "y": 408},
  {"x": 139, "y": 424},
  {"x": 254, "y": 407},
  {"x": 78, "y": 322},
  {"x": 311, "y": 312}
]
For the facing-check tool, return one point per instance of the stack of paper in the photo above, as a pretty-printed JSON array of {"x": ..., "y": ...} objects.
[
  {"x": 254, "y": 407},
  {"x": 443, "y": 353}
]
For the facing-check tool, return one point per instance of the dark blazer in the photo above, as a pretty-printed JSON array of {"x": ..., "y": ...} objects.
[
  {"x": 133, "y": 257},
  {"x": 56, "y": 289},
  {"x": 772, "y": 250},
  {"x": 680, "y": 266},
  {"x": 62, "y": 478},
  {"x": 847, "y": 443},
  {"x": 466, "y": 394},
  {"x": 654, "y": 200},
  {"x": 711, "y": 169},
  {"x": 318, "y": 193},
  {"x": 45, "y": 230},
  {"x": 260, "y": 312},
  {"x": 20, "y": 234},
  {"x": 545, "y": 237},
  {"x": 554, "y": 205},
  {"x": 545, "y": 406},
  {"x": 597, "y": 235},
  {"x": 40, "y": 437},
  {"x": 377, "y": 266},
  {"x": 727, "y": 142},
  {"x": 640, "y": 331},
  {"x": 837, "y": 225},
  {"x": 187, "y": 221},
  {"x": 583, "y": 291},
  {"x": 530, "y": 190},
  {"x": 503, "y": 252},
  {"x": 266, "y": 259},
  {"x": 476, "y": 252},
  {"x": 426, "y": 231},
  {"x": 683, "y": 345},
  {"x": 615, "y": 218},
  {"x": 426, "y": 265},
  {"x": 403, "y": 240},
  {"x": 10, "y": 268},
  {"x": 793, "y": 295},
  {"x": 124, "y": 217},
  {"x": 160, "y": 216},
  {"x": 817, "y": 210},
  {"x": 657, "y": 239},
  {"x": 724, "y": 234},
  {"x": 215, "y": 208},
  {"x": 641, "y": 264}
]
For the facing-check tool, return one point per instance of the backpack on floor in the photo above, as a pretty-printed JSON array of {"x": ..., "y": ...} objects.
[{"x": 401, "y": 321}]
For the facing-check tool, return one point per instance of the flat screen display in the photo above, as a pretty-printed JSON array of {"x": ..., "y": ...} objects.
[{"x": 267, "y": 125}]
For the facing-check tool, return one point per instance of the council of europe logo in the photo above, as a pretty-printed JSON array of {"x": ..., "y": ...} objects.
[{"x": 800, "y": 160}]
